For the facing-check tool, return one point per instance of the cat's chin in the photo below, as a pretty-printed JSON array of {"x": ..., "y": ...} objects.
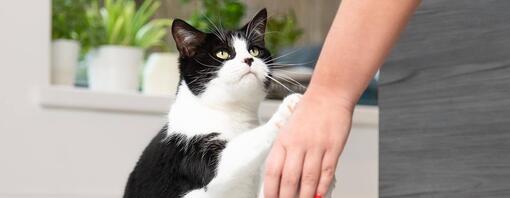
[
  {"x": 249, "y": 78},
  {"x": 247, "y": 75},
  {"x": 247, "y": 81},
  {"x": 252, "y": 77},
  {"x": 250, "y": 83}
]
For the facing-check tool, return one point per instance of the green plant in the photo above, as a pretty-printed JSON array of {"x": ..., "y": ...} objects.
[
  {"x": 225, "y": 13},
  {"x": 94, "y": 35},
  {"x": 122, "y": 23},
  {"x": 283, "y": 31},
  {"x": 67, "y": 19}
]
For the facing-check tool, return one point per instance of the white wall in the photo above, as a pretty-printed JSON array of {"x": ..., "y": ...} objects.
[
  {"x": 52, "y": 152},
  {"x": 55, "y": 151}
]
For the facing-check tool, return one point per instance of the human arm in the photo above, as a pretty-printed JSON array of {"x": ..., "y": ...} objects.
[{"x": 307, "y": 149}]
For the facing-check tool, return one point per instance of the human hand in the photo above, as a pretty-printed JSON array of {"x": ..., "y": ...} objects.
[{"x": 304, "y": 156}]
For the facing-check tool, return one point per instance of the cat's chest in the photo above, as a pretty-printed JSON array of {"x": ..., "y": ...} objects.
[{"x": 193, "y": 122}]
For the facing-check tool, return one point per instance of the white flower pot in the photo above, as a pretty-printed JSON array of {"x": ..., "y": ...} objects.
[
  {"x": 64, "y": 61},
  {"x": 115, "y": 68},
  {"x": 161, "y": 74}
]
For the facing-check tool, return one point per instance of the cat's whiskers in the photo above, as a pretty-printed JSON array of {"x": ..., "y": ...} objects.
[
  {"x": 261, "y": 36},
  {"x": 250, "y": 29},
  {"x": 285, "y": 70},
  {"x": 215, "y": 59},
  {"x": 254, "y": 29},
  {"x": 205, "y": 71},
  {"x": 285, "y": 66},
  {"x": 206, "y": 65},
  {"x": 281, "y": 56},
  {"x": 216, "y": 33},
  {"x": 289, "y": 80},
  {"x": 195, "y": 78},
  {"x": 281, "y": 84},
  {"x": 221, "y": 35},
  {"x": 291, "y": 64}
]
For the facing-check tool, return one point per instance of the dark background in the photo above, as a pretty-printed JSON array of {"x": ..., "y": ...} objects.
[{"x": 444, "y": 99}]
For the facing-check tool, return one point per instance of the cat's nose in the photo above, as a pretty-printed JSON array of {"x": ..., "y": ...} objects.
[{"x": 248, "y": 61}]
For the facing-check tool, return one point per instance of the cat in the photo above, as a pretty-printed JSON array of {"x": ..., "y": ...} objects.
[{"x": 213, "y": 145}]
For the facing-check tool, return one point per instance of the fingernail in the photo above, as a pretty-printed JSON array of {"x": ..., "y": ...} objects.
[{"x": 318, "y": 196}]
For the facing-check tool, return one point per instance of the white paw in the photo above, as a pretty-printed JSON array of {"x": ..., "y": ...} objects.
[
  {"x": 285, "y": 110},
  {"x": 291, "y": 101}
]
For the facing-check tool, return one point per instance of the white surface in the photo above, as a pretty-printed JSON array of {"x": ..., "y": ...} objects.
[
  {"x": 358, "y": 168},
  {"x": 88, "y": 153},
  {"x": 115, "y": 68},
  {"x": 161, "y": 74},
  {"x": 64, "y": 61},
  {"x": 84, "y": 99}
]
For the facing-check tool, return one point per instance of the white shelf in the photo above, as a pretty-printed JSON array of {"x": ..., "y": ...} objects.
[{"x": 85, "y": 99}]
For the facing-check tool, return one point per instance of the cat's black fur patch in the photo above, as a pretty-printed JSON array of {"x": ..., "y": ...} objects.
[{"x": 174, "y": 165}]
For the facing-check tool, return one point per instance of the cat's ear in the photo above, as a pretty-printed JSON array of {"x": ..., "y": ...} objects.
[
  {"x": 187, "y": 38},
  {"x": 256, "y": 28}
]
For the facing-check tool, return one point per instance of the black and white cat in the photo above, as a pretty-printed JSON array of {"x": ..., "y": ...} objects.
[{"x": 213, "y": 145}]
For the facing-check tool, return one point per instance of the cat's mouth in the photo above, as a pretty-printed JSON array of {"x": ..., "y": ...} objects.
[{"x": 248, "y": 74}]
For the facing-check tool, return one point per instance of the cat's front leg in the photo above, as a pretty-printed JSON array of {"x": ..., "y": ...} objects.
[
  {"x": 239, "y": 165},
  {"x": 253, "y": 145},
  {"x": 284, "y": 111}
]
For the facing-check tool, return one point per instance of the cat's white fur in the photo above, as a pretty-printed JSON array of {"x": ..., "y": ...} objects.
[{"x": 229, "y": 105}]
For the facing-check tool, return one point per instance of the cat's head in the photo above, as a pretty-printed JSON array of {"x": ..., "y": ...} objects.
[{"x": 224, "y": 64}]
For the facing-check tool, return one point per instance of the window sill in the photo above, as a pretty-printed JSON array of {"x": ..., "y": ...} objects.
[
  {"x": 64, "y": 97},
  {"x": 84, "y": 99}
]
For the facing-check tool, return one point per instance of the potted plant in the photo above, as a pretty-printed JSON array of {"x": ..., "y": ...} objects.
[
  {"x": 128, "y": 31},
  {"x": 67, "y": 29},
  {"x": 161, "y": 74}
]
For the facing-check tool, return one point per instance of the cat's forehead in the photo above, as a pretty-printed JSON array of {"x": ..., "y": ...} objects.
[
  {"x": 230, "y": 37},
  {"x": 232, "y": 40}
]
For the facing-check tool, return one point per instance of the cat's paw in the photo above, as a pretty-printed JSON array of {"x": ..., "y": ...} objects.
[
  {"x": 289, "y": 103},
  {"x": 285, "y": 110}
]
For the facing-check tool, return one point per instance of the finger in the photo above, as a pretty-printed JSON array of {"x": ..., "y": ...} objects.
[
  {"x": 327, "y": 174},
  {"x": 311, "y": 173},
  {"x": 273, "y": 171},
  {"x": 291, "y": 174}
]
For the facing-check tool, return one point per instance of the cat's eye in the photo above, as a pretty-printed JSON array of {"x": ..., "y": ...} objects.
[
  {"x": 254, "y": 51},
  {"x": 222, "y": 54}
]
